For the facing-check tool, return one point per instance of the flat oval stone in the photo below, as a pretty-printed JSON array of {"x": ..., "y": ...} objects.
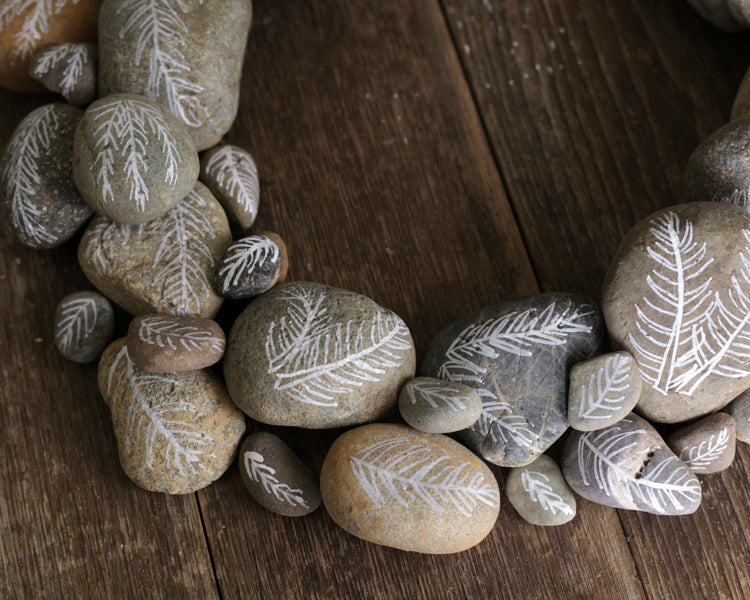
[
  {"x": 539, "y": 493},
  {"x": 308, "y": 355},
  {"x": 275, "y": 476},
  {"x": 677, "y": 297},
  {"x": 251, "y": 266},
  {"x": 230, "y": 173},
  {"x": 186, "y": 55},
  {"x": 165, "y": 266},
  {"x": 438, "y": 406},
  {"x": 39, "y": 202},
  {"x": 132, "y": 159},
  {"x": 517, "y": 355},
  {"x": 69, "y": 69},
  {"x": 163, "y": 343},
  {"x": 414, "y": 491},
  {"x": 739, "y": 408},
  {"x": 628, "y": 465},
  {"x": 602, "y": 391},
  {"x": 84, "y": 325},
  {"x": 176, "y": 432},
  {"x": 706, "y": 446}
]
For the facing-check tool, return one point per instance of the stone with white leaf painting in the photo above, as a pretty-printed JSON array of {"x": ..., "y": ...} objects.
[
  {"x": 176, "y": 432},
  {"x": 739, "y": 408},
  {"x": 402, "y": 488},
  {"x": 706, "y": 446},
  {"x": 677, "y": 297},
  {"x": 132, "y": 159},
  {"x": 602, "y": 391},
  {"x": 69, "y": 69},
  {"x": 517, "y": 355},
  {"x": 163, "y": 343},
  {"x": 84, "y": 326},
  {"x": 230, "y": 173},
  {"x": 165, "y": 266},
  {"x": 437, "y": 406},
  {"x": 276, "y": 477},
  {"x": 628, "y": 465},
  {"x": 251, "y": 266},
  {"x": 308, "y": 355},
  {"x": 39, "y": 202},
  {"x": 539, "y": 493},
  {"x": 185, "y": 54}
]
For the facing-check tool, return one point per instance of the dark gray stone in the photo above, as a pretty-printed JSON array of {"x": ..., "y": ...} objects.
[
  {"x": 84, "y": 325},
  {"x": 69, "y": 69},
  {"x": 251, "y": 266}
]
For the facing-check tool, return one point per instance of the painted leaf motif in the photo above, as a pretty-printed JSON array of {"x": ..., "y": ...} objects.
[
  {"x": 246, "y": 255},
  {"x": 436, "y": 394},
  {"x": 502, "y": 424},
  {"x": 738, "y": 197},
  {"x": 75, "y": 57},
  {"x": 605, "y": 391},
  {"x": 234, "y": 170},
  {"x": 78, "y": 321},
  {"x": 108, "y": 235},
  {"x": 400, "y": 470},
  {"x": 540, "y": 491},
  {"x": 266, "y": 476},
  {"x": 166, "y": 333},
  {"x": 705, "y": 453},
  {"x": 35, "y": 23}
]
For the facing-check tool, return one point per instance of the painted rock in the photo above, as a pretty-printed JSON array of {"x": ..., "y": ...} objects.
[
  {"x": 517, "y": 355},
  {"x": 539, "y": 493},
  {"x": 719, "y": 12},
  {"x": 230, "y": 173},
  {"x": 187, "y": 55},
  {"x": 419, "y": 492},
  {"x": 706, "y": 446},
  {"x": 132, "y": 160},
  {"x": 741, "y": 104},
  {"x": 602, "y": 391},
  {"x": 165, "y": 266},
  {"x": 308, "y": 355},
  {"x": 628, "y": 465},
  {"x": 28, "y": 25},
  {"x": 251, "y": 266},
  {"x": 69, "y": 69},
  {"x": 84, "y": 326},
  {"x": 739, "y": 408},
  {"x": 176, "y": 432},
  {"x": 162, "y": 343},
  {"x": 677, "y": 297},
  {"x": 437, "y": 406},
  {"x": 276, "y": 478},
  {"x": 38, "y": 200}
]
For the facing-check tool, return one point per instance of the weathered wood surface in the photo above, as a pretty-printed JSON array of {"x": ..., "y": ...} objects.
[{"x": 437, "y": 157}]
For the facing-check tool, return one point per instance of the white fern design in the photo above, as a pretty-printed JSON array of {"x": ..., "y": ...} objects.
[
  {"x": 36, "y": 17},
  {"x": 670, "y": 482},
  {"x": 605, "y": 391},
  {"x": 159, "y": 30},
  {"x": 436, "y": 394},
  {"x": 166, "y": 333},
  {"x": 314, "y": 360},
  {"x": 75, "y": 57},
  {"x": 537, "y": 486},
  {"x": 260, "y": 472},
  {"x": 402, "y": 470},
  {"x": 705, "y": 453},
  {"x": 22, "y": 175},
  {"x": 235, "y": 171},
  {"x": 501, "y": 424},
  {"x": 739, "y": 197},
  {"x": 185, "y": 447},
  {"x": 104, "y": 236},
  {"x": 244, "y": 256},
  {"x": 121, "y": 132},
  {"x": 78, "y": 320}
]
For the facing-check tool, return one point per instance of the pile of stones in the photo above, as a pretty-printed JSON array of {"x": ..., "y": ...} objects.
[{"x": 500, "y": 386}]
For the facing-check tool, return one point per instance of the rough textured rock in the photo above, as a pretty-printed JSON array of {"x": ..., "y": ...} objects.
[
  {"x": 539, "y": 493},
  {"x": 739, "y": 408},
  {"x": 628, "y": 465},
  {"x": 251, "y": 266},
  {"x": 165, "y": 266},
  {"x": 84, "y": 326},
  {"x": 39, "y": 202},
  {"x": 517, "y": 355},
  {"x": 132, "y": 159},
  {"x": 187, "y": 55},
  {"x": 677, "y": 297},
  {"x": 69, "y": 69},
  {"x": 420, "y": 492},
  {"x": 706, "y": 446},
  {"x": 275, "y": 476},
  {"x": 162, "y": 343},
  {"x": 230, "y": 173},
  {"x": 176, "y": 432},
  {"x": 308, "y": 355},
  {"x": 437, "y": 406}
]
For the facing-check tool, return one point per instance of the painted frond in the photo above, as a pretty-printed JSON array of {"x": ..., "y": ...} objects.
[
  {"x": 537, "y": 486},
  {"x": 165, "y": 333},
  {"x": 107, "y": 235},
  {"x": 400, "y": 470},
  {"x": 78, "y": 321},
  {"x": 235, "y": 171},
  {"x": 705, "y": 453},
  {"x": 246, "y": 255},
  {"x": 739, "y": 197},
  {"x": 605, "y": 391},
  {"x": 499, "y": 422},
  {"x": 436, "y": 394},
  {"x": 36, "y": 15},
  {"x": 75, "y": 56},
  {"x": 260, "y": 472},
  {"x": 158, "y": 28},
  {"x": 315, "y": 360}
]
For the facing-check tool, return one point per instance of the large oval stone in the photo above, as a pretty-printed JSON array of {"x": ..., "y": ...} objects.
[{"x": 398, "y": 487}]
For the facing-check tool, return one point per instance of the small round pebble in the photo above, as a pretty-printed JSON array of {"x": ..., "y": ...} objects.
[
  {"x": 539, "y": 493},
  {"x": 251, "y": 266},
  {"x": 706, "y": 446},
  {"x": 69, "y": 69},
  {"x": 230, "y": 173},
  {"x": 84, "y": 325},
  {"x": 437, "y": 406}
]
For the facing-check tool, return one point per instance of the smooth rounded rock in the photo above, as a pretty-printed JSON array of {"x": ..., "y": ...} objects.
[
  {"x": 251, "y": 266},
  {"x": 438, "y": 406},
  {"x": 230, "y": 173},
  {"x": 739, "y": 408},
  {"x": 706, "y": 446},
  {"x": 69, "y": 69},
  {"x": 419, "y": 492},
  {"x": 84, "y": 326},
  {"x": 539, "y": 493}
]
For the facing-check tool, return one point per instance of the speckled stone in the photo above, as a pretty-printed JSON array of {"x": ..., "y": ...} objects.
[
  {"x": 251, "y": 266},
  {"x": 706, "y": 446},
  {"x": 539, "y": 493},
  {"x": 230, "y": 173},
  {"x": 437, "y": 406},
  {"x": 739, "y": 408},
  {"x": 84, "y": 325},
  {"x": 419, "y": 492},
  {"x": 276, "y": 477},
  {"x": 69, "y": 69}
]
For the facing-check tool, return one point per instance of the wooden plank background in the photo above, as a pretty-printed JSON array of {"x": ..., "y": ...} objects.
[{"x": 438, "y": 157}]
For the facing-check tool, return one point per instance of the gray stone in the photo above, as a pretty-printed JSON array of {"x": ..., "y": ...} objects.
[
  {"x": 251, "y": 266},
  {"x": 308, "y": 355},
  {"x": 230, "y": 173},
  {"x": 39, "y": 202},
  {"x": 539, "y": 493},
  {"x": 437, "y": 406},
  {"x": 706, "y": 446},
  {"x": 69, "y": 69},
  {"x": 84, "y": 325},
  {"x": 739, "y": 408},
  {"x": 517, "y": 355}
]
